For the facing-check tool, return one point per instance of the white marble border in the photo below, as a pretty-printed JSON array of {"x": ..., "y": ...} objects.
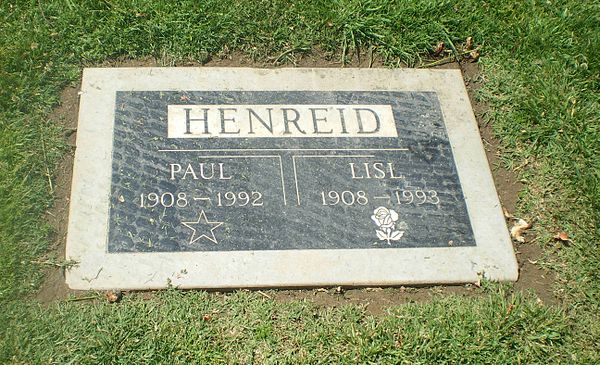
[{"x": 86, "y": 241}]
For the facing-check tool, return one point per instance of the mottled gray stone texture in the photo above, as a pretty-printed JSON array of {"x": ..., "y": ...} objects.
[{"x": 287, "y": 179}]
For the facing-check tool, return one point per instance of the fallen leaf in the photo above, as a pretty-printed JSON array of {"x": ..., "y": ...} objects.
[
  {"x": 516, "y": 232},
  {"x": 439, "y": 48},
  {"x": 206, "y": 317},
  {"x": 562, "y": 236},
  {"x": 121, "y": 199},
  {"x": 478, "y": 282},
  {"x": 469, "y": 44},
  {"x": 507, "y": 215},
  {"x": 509, "y": 309},
  {"x": 184, "y": 98},
  {"x": 474, "y": 54},
  {"x": 114, "y": 296}
]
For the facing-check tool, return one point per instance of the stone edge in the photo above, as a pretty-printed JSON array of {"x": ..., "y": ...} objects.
[{"x": 493, "y": 257}]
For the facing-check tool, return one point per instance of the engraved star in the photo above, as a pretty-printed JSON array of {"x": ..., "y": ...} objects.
[{"x": 203, "y": 226}]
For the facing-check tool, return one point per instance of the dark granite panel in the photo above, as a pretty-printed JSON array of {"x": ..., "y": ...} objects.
[{"x": 290, "y": 193}]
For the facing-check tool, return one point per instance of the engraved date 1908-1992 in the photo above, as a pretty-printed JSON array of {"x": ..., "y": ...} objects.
[{"x": 219, "y": 199}]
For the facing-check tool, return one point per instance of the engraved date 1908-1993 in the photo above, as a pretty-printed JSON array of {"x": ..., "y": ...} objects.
[{"x": 405, "y": 196}]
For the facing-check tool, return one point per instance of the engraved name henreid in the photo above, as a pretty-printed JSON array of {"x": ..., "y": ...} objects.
[{"x": 263, "y": 121}]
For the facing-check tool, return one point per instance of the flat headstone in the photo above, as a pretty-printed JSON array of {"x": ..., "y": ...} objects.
[{"x": 236, "y": 177}]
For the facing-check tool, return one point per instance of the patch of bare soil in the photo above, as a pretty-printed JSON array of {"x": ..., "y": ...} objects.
[
  {"x": 54, "y": 287},
  {"x": 376, "y": 300}
]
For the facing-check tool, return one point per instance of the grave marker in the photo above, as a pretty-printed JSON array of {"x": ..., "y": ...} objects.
[{"x": 233, "y": 177}]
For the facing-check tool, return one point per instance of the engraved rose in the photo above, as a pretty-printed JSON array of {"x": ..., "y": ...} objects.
[{"x": 386, "y": 219}]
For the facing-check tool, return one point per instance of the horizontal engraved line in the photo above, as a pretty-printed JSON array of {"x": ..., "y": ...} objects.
[
  {"x": 282, "y": 149},
  {"x": 249, "y": 156},
  {"x": 334, "y": 156}
]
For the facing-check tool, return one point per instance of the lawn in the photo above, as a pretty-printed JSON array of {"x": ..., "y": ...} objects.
[{"x": 539, "y": 61}]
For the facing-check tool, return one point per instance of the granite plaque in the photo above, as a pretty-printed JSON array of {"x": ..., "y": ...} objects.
[{"x": 224, "y": 178}]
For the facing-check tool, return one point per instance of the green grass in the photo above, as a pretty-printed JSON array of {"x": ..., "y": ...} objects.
[
  {"x": 540, "y": 64},
  {"x": 181, "y": 328}
]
